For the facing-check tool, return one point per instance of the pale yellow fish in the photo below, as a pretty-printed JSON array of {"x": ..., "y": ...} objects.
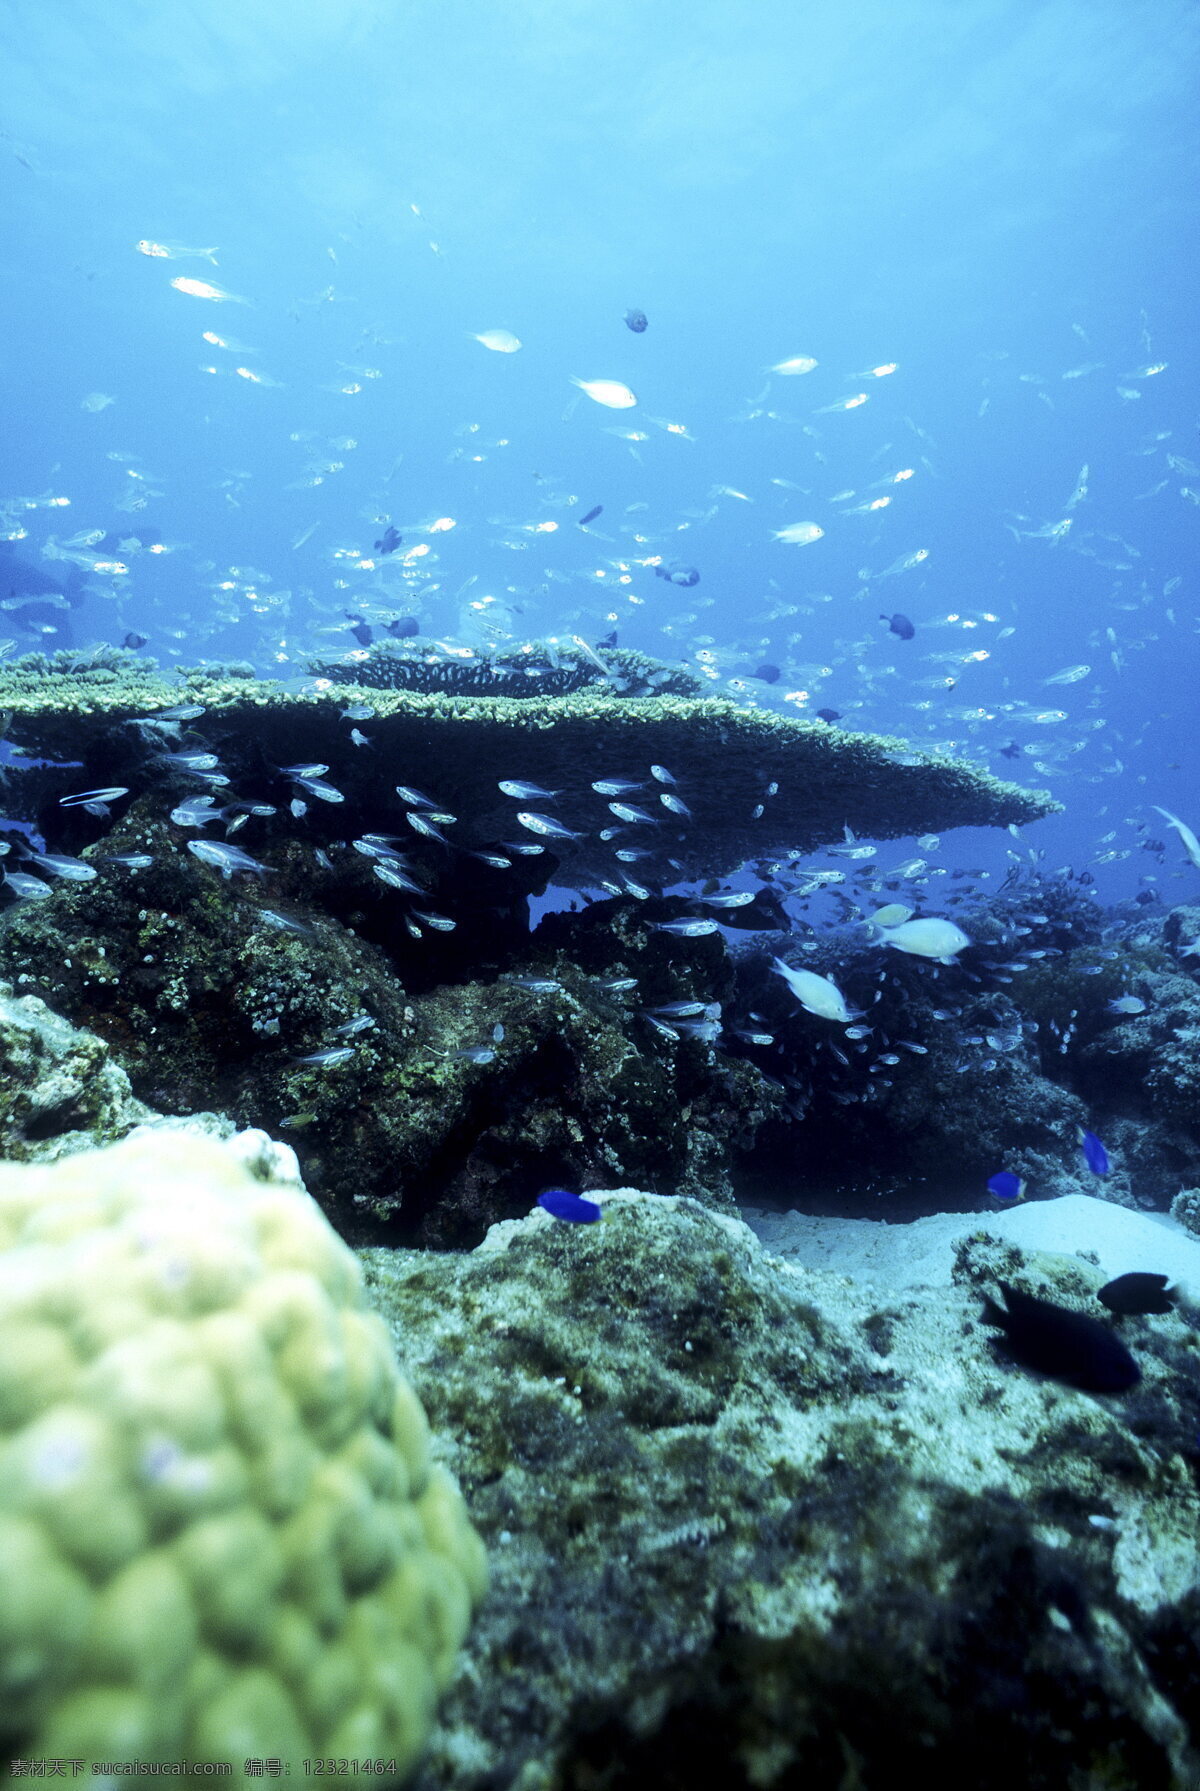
[
  {"x": 609, "y": 392},
  {"x": 202, "y": 289},
  {"x": 499, "y": 341},
  {"x": 799, "y": 534},
  {"x": 799, "y": 363}
]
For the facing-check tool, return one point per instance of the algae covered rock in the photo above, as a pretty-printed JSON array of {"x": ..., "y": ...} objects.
[
  {"x": 221, "y": 1533},
  {"x": 753, "y": 1525},
  {"x": 751, "y": 783}
]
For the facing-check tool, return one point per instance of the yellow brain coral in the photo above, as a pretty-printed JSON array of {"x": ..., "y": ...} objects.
[{"x": 221, "y": 1536}]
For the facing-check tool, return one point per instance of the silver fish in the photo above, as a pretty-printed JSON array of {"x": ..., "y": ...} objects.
[
  {"x": 616, "y": 786},
  {"x": 526, "y": 792},
  {"x": 21, "y": 884},
  {"x": 624, "y": 812},
  {"x": 224, "y": 857},
  {"x": 545, "y": 824},
  {"x": 686, "y": 929},
  {"x": 323, "y": 791},
  {"x": 325, "y": 1060},
  {"x": 72, "y": 870},
  {"x": 302, "y": 771}
]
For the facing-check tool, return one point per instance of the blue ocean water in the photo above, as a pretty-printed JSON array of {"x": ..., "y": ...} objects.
[{"x": 978, "y": 221}]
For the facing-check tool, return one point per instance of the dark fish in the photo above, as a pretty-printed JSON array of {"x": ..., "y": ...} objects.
[
  {"x": 134, "y": 641},
  {"x": 768, "y": 673},
  {"x": 1011, "y": 751},
  {"x": 1136, "y": 1293},
  {"x": 678, "y": 575},
  {"x": 404, "y": 627},
  {"x": 900, "y": 625},
  {"x": 610, "y": 640},
  {"x": 635, "y": 321},
  {"x": 389, "y": 541},
  {"x": 595, "y": 511},
  {"x": 572, "y": 1207},
  {"x": 829, "y": 716},
  {"x": 1070, "y": 1346},
  {"x": 359, "y": 629}
]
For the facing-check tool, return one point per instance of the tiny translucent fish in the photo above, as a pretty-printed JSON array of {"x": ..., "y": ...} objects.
[
  {"x": 21, "y": 884},
  {"x": 842, "y": 404},
  {"x": 1127, "y": 1004},
  {"x": 192, "y": 761},
  {"x": 499, "y": 341},
  {"x": 661, "y": 774},
  {"x": 475, "y": 1054},
  {"x": 360, "y": 1023},
  {"x": 173, "y": 252},
  {"x": 283, "y": 923},
  {"x": 799, "y": 534},
  {"x": 624, "y": 812},
  {"x": 325, "y": 1060},
  {"x": 615, "y": 786},
  {"x": 420, "y": 824},
  {"x": 197, "y": 811},
  {"x": 526, "y": 792},
  {"x": 397, "y": 879},
  {"x": 497, "y": 860},
  {"x": 545, "y": 824},
  {"x": 82, "y": 797},
  {"x": 72, "y": 870},
  {"x": 440, "y": 922},
  {"x": 498, "y": 1033},
  {"x": 96, "y": 402},
  {"x": 410, "y": 797},
  {"x": 686, "y": 929},
  {"x": 224, "y": 857},
  {"x": 560, "y": 1203},
  {"x": 1071, "y": 674},
  {"x": 675, "y": 805},
  {"x": 535, "y": 985},
  {"x": 1006, "y": 1186},
  {"x": 609, "y": 392},
  {"x": 677, "y": 1010},
  {"x": 132, "y": 861},
  {"x": 799, "y": 363},
  {"x": 203, "y": 289},
  {"x": 733, "y": 898},
  {"x": 618, "y": 985},
  {"x": 322, "y": 791},
  {"x": 180, "y": 712},
  {"x": 299, "y": 771}
]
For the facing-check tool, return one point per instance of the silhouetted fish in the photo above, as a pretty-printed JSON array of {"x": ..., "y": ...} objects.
[{"x": 899, "y": 624}]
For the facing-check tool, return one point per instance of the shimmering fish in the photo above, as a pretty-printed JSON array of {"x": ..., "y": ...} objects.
[
  {"x": 325, "y": 1060},
  {"x": 202, "y": 289},
  {"x": 929, "y": 937},
  {"x": 686, "y": 929},
  {"x": 616, "y": 786},
  {"x": 224, "y": 857},
  {"x": 318, "y": 788},
  {"x": 799, "y": 534},
  {"x": 523, "y": 792},
  {"x": 72, "y": 870},
  {"x": 545, "y": 824},
  {"x": 300, "y": 771},
  {"x": 624, "y": 812},
  {"x": 799, "y": 363},
  {"x": 21, "y": 884}
]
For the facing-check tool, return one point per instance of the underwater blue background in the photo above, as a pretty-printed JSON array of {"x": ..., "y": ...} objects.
[{"x": 1000, "y": 198}]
